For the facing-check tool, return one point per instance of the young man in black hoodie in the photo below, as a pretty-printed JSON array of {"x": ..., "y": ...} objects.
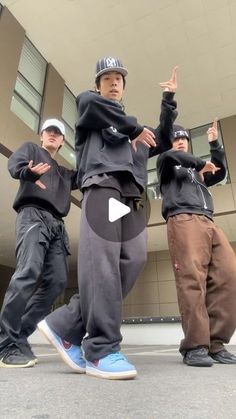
[
  {"x": 42, "y": 245},
  {"x": 112, "y": 151},
  {"x": 203, "y": 261}
]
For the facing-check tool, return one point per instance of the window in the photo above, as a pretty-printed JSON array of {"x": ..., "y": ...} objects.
[
  {"x": 200, "y": 145},
  {"x": 69, "y": 116},
  {"x": 28, "y": 93},
  {"x": 153, "y": 190}
]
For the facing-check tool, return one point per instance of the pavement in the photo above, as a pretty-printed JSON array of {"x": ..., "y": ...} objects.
[{"x": 165, "y": 388}]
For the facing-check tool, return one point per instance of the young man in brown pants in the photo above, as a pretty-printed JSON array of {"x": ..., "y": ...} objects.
[{"x": 203, "y": 261}]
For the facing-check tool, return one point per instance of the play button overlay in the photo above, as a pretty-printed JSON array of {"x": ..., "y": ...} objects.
[
  {"x": 116, "y": 210},
  {"x": 114, "y": 217}
]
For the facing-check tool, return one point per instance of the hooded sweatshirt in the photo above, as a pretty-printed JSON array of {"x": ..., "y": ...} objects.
[
  {"x": 182, "y": 188},
  {"x": 104, "y": 133},
  {"x": 59, "y": 181}
]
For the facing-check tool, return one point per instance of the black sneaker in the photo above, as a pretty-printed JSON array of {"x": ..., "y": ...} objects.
[
  {"x": 27, "y": 351},
  {"x": 198, "y": 358},
  {"x": 12, "y": 357},
  {"x": 223, "y": 357}
]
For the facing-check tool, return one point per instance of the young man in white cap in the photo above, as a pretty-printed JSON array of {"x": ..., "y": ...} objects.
[
  {"x": 112, "y": 151},
  {"x": 42, "y": 245},
  {"x": 203, "y": 261}
]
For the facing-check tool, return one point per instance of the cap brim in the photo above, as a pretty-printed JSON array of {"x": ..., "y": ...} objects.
[
  {"x": 120, "y": 70},
  {"x": 51, "y": 126}
]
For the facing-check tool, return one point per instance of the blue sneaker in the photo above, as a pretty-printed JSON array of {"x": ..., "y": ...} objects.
[
  {"x": 113, "y": 367},
  {"x": 71, "y": 354}
]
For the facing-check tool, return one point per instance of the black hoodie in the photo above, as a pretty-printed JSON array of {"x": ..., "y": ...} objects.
[
  {"x": 104, "y": 132},
  {"x": 58, "y": 181},
  {"x": 181, "y": 185}
]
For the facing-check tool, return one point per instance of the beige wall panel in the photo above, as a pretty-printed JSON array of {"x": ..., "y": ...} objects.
[
  {"x": 233, "y": 244},
  {"x": 171, "y": 309},
  {"x": 228, "y": 126},
  {"x": 17, "y": 132},
  {"x": 11, "y": 40},
  {"x": 151, "y": 256},
  {"x": 156, "y": 216},
  {"x": 53, "y": 94},
  {"x": 127, "y": 300},
  {"x": 145, "y": 310},
  {"x": 234, "y": 192},
  {"x": 163, "y": 255},
  {"x": 145, "y": 293},
  {"x": 127, "y": 311},
  {"x": 149, "y": 273},
  {"x": 223, "y": 198},
  {"x": 167, "y": 292},
  {"x": 165, "y": 271},
  {"x": 4, "y": 115}
]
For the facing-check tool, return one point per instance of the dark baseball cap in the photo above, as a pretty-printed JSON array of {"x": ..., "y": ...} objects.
[
  {"x": 180, "y": 132},
  {"x": 106, "y": 64}
]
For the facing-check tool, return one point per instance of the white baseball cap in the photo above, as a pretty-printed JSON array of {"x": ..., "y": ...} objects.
[{"x": 54, "y": 123}]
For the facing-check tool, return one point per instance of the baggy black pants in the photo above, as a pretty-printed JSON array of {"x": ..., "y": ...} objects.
[
  {"x": 41, "y": 271},
  {"x": 107, "y": 271}
]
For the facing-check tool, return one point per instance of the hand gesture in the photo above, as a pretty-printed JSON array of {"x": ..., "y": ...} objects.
[
  {"x": 39, "y": 169},
  {"x": 146, "y": 137},
  {"x": 212, "y": 132},
  {"x": 209, "y": 167},
  {"x": 170, "y": 85}
]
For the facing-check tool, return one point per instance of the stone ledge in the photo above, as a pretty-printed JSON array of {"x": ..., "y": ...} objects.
[{"x": 152, "y": 319}]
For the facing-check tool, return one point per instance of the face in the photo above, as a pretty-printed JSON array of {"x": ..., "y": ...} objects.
[
  {"x": 52, "y": 139},
  {"x": 111, "y": 86},
  {"x": 180, "y": 144}
]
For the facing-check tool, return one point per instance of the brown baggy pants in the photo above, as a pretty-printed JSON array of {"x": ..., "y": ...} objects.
[{"x": 205, "y": 271}]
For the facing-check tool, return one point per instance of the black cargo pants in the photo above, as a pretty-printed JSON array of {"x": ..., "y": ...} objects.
[{"x": 41, "y": 271}]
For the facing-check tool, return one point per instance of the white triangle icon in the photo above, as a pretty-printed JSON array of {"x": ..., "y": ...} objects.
[{"x": 116, "y": 210}]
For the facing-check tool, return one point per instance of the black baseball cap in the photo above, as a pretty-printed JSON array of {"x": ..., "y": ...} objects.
[
  {"x": 180, "y": 132},
  {"x": 106, "y": 64}
]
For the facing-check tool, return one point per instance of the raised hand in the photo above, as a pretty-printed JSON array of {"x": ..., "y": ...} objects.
[
  {"x": 170, "y": 85},
  {"x": 209, "y": 167},
  {"x": 212, "y": 132},
  {"x": 39, "y": 169},
  {"x": 146, "y": 137}
]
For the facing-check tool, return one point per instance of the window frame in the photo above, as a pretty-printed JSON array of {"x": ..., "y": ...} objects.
[{"x": 23, "y": 100}]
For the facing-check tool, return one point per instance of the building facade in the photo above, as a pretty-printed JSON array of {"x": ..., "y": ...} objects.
[{"x": 24, "y": 103}]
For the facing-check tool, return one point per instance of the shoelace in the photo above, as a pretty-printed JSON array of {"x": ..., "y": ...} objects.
[
  {"x": 117, "y": 356},
  {"x": 11, "y": 350}
]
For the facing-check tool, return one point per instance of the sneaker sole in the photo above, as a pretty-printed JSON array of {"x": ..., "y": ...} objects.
[
  {"x": 45, "y": 330},
  {"x": 29, "y": 364},
  {"x": 223, "y": 362},
  {"x": 198, "y": 364},
  {"x": 125, "y": 375}
]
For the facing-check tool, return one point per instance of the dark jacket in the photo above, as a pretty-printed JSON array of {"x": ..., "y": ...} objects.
[
  {"x": 58, "y": 181},
  {"x": 104, "y": 132},
  {"x": 181, "y": 185}
]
